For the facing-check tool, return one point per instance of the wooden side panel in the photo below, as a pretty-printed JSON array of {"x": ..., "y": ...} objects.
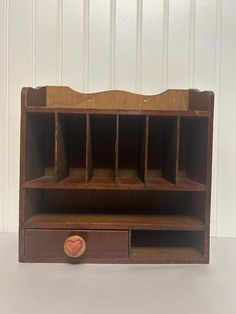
[{"x": 43, "y": 245}]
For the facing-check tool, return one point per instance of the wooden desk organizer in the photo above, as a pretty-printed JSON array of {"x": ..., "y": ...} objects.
[{"x": 115, "y": 177}]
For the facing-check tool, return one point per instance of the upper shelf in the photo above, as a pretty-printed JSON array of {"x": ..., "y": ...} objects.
[{"x": 53, "y": 97}]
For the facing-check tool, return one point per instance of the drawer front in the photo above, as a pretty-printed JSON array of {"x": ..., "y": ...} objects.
[{"x": 48, "y": 245}]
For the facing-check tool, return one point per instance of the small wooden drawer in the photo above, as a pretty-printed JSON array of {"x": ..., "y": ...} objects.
[{"x": 49, "y": 245}]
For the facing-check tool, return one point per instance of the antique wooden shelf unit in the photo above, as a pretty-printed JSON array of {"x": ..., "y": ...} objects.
[{"x": 115, "y": 177}]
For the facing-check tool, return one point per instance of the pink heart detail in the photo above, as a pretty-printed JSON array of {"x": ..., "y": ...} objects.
[{"x": 74, "y": 247}]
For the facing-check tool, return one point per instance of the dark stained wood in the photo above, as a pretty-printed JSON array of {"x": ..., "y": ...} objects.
[
  {"x": 89, "y": 160},
  {"x": 201, "y": 100},
  {"x": 61, "y": 162},
  {"x": 129, "y": 173},
  {"x": 124, "y": 183},
  {"x": 32, "y": 97},
  {"x": 162, "y": 149},
  {"x": 40, "y": 145},
  {"x": 142, "y": 150},
  {"x": 193, "y": 149},
  {"x": 167, "y": 254},
  {"x": 71, "y": 148},
  {"x": 62, "y": 96},
  {"x": 103, "y": 141},
  {"x": 115, "y": 221},
  {"x": 117, "y": 148},
  {"x": 131, "y": 149},
  {"x": 191, "y": 113},
  {"x": 99, "y": 244}
]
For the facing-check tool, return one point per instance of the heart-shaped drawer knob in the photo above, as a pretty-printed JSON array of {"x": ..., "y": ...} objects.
[{"x": 74, "y": 246}]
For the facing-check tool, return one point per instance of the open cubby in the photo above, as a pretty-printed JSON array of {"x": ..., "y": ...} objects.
[
  {"x": 162, "y": 244},
  {"x": 162, "y": 150},
  {"x": 103, "y": 141},
  {"x": 131, "y": 149},
  {"x": 71, "y": 147},
  {"x": 185, "y": 207},
  {"x": 40, "y": 147},
  {"x": 115, "y": 177},
  {"x": 193, "y": 146}
]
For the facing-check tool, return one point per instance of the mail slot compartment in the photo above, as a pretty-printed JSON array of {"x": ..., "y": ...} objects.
[{"x": 44, "y": 245}]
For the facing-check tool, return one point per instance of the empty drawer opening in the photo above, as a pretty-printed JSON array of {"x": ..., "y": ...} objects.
[{"x": 167, "y": 244}]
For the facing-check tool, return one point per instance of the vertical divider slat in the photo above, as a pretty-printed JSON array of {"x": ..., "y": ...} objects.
[
  {"x": 56, "y": 148},
  {"x": 89, "y": 169},
  {"x": 117, "y": 149},
  {"x": 141, "y": 166},
  {"x": 146, "y": 147},
  {"x": 61, "y": 165},
  {"x": 177, "y": 149}
]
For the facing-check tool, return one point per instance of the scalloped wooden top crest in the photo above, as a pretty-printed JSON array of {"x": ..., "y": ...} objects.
[{"x": 65, "y": 97}]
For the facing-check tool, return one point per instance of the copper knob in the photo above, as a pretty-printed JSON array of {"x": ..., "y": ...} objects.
[{"x": 74, "y": 246}]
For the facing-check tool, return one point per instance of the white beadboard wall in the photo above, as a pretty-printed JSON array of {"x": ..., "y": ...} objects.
[{"x": 144, "y": 46}]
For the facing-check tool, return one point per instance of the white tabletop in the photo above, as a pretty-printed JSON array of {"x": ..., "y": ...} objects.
[{"x": 118, "y": 289}]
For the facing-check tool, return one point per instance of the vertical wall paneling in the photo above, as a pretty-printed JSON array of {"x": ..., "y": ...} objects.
[
  {"x": 33, "y": 43},
  {"x": 205, "y": 63},
  {"x": 178, "y": 44},
  {"x": 46, "y": 42},
  {"x": 152, "y": 48},
  {"x": 217, "y": 88},
  {"x": 72, "y": 44},
  {"x": 191, "y": 54},
  {"x": 4, "y": 38},
  {"x": 139, "y": 21},
  {"x": 112, "y": 44},
  {"x": 99, "y": 40},
  {"x": 227, "y": 121},
  {"x": 59, "y": 40},
  {"x": 165, "y": 45},
  {"x": 86, "y": 46},
  {"x": 125, "y": 58},
  {"x": 19, "y": 75}
]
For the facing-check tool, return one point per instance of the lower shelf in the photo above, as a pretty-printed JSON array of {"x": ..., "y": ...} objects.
[
  {"x": 167, "y": 254},
  {"x": 115, "y": 221}
]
